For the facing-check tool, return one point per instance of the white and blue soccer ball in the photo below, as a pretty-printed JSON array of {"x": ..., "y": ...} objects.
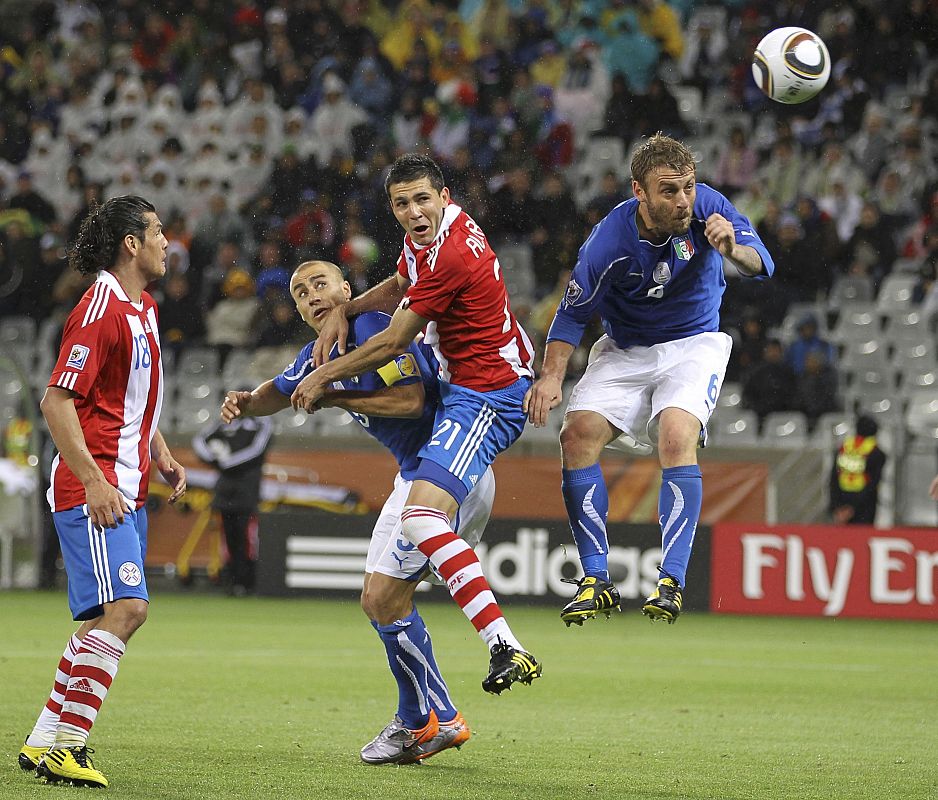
[{"x": 791, "y": 65}]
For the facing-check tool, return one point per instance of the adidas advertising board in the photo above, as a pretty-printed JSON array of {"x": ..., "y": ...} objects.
[{"x": 304, "y": 553}]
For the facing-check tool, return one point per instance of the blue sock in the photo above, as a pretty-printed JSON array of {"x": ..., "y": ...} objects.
[
  {"x": 678, "y": 513},
  {"x": 440, "y": 700},
  {"x": 587, "y": 502},
  {"x": 404, "y": 641}
]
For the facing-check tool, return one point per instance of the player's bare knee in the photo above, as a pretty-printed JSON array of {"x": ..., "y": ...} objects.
[
  {"x": 124, "y": 617},
  {"x": 580, "y": 442}
]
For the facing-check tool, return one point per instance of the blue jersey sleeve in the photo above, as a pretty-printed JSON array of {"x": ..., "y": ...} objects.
[
  {"x": 401, "y": 371},
  {"x": 287, "y": 381},
  {"x": 589, "y": 281},
  {"x": 710, "y": 201}
]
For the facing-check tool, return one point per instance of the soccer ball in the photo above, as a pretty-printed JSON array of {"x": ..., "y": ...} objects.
[{"x": 791, "y": 65}]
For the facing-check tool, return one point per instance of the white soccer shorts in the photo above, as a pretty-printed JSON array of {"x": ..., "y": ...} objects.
[
  {"x": 392, "y": 554},
  {"x": 631, "y": 387}
]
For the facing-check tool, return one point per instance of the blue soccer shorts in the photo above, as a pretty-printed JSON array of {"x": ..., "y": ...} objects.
[
  {"x": 470, "y": 429},
  {"x": 102, "y": 564}
]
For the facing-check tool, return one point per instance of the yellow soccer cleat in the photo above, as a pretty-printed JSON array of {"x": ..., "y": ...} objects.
[
  {"x": 665, "y": 602},
  {"x": 29, "y": 757},
  {"x": 507, "y": 666},
  {"x": 592, "y": 596},
  {"x": 70, "y": 765}
]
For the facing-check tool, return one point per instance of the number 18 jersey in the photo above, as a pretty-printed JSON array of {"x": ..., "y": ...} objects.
[{"x": 110, "y": 358}]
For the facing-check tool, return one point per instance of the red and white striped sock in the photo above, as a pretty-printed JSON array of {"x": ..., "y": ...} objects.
[
  {"x": 93, "y": 670},
  {"x": 457, "y": 563},
  {"x": 43, "y": 733}
]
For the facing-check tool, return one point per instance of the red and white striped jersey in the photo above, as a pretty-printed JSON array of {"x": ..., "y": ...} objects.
[
  {"x": 456, "y": 283},
  {"x": 110, "y": 358}
]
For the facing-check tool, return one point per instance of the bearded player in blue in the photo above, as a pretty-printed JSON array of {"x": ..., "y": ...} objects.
[
  {"x": 653, "y": 271},
  {"x": 397, "y": 405}
]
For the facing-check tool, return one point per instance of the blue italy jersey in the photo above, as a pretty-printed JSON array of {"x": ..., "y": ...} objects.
[
  {"x": 403, "y": 437},
  {"x": 646, "y": 293}
]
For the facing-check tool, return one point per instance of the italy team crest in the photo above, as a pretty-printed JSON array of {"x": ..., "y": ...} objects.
[{"x": 684, "y": 248}]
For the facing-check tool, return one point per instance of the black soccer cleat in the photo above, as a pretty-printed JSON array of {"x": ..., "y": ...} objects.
[
  {"x": 666, "y": 601},
  {"x": 507, "y": 666},
  {"x": 593, "y": 595}
]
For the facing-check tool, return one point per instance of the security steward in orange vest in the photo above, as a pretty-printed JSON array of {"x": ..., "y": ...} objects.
[{"x": 858, "y": 468}]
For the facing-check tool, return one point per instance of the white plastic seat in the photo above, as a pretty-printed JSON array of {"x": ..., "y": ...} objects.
[
  {"x": 831, "y": 428},
  {"x": 896, "y": 293},
  {"x": 731, "y": 395},
  {"x": 729, "y": 428},
  {"x": 17, "y": 331},
  {"x": 921, "y": 416},
  {"x": 785, "y": 428},
  {"x": 856, "y": 321},
  {"x": 907, "y": 326},
  {"x": 200, "y": 361},
  {"x": 850, "y": 289},
  {"x": 517, "y": 266},
  {"x": 864, "y": 353}
]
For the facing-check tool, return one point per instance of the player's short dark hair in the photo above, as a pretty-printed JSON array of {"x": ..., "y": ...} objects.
[
  {"x": 866, "y": 426},
  {"x": 102, "y": 231},
  {"x": 412, "y": 167},
  {"x": 660, "y": 151}
]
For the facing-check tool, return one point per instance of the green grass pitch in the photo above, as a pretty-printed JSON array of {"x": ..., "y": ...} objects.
[{"x": 264, "y": 699}]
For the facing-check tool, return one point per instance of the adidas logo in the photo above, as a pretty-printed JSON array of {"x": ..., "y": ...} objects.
[
  {"x": 82, "y": 685},
  {"x": 473, "y": 479}
]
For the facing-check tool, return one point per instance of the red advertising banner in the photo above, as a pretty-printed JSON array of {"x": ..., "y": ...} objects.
[{"x": 818, "y": 570}]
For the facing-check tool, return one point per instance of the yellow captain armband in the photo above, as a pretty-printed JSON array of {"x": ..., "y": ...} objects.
[{"x": 404, "y": 366}]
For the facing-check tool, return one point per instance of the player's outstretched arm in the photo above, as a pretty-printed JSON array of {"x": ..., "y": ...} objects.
[
  {"x": 172, "y": 471},
  {"x": 262, "y": 402},
  {"x": 402, "y": 402},
  {"x": 547, "y": 391},
  {"x": 106, "y": 505},
  {"x": 377, "y": 351},
  {"x": 334, "y": 331}
]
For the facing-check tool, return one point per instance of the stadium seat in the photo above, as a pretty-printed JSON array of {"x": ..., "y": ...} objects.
[
  {"x": 731, "y": 395},
  {"x": 606, "y": 153},
  {"x": 856, "y": 321},
  {"x": 190, "y": 419},
  {"x": 295, "y": 425},
  {"x": 197, "y": 361},
  {"x": 16, "y": 332},
  {"x": 907, "y": 266},
  {"x": 831, "y": 428},
  {"x": 921, "y": 377},
  {"x": 689, "y": 105},
  {"x": 731, "y": 428},
  {"x": 336, "y": 422},
  {"x": 238, "y": 369},
  {"x": 864, "y": 353},
  {"x": 517, "y": 265},
  {"x": 914, "y": 353},
  {"x": 872, "y": 380},
  {"x": 885, "y": 408},
  {"x": 896, "y": 293},
  {"x": 796, "y": 312},
  {"x": 921, "y": 416},
  {"x": 786, "y": 429},
  {"x": 907, "y": 325},
  {"x": 850, "y": 289}
]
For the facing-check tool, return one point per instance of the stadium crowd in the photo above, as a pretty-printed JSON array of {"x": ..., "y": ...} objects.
[{"x": 261, "y": 131}]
